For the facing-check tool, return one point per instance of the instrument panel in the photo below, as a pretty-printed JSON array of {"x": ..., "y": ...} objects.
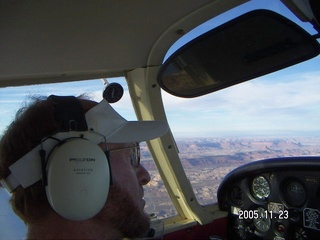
[{"x": 273, "y": 199}]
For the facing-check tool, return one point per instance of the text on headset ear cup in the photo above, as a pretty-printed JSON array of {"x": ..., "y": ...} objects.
[{"x": 78, "y": 179}]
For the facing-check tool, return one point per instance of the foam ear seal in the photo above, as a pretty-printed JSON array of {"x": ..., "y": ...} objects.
[{"x": 78, "y": 179}]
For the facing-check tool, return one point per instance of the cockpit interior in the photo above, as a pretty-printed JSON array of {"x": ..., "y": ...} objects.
[{"x": 237, "y": 81}]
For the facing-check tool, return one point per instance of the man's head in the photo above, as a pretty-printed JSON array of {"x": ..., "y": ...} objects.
[{"x": 39, "y": 121}]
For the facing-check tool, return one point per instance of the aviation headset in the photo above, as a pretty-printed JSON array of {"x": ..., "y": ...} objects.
[{"x": 77, "y": 174}]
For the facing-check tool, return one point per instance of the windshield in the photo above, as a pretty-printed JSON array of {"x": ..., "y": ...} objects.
[
  {"x": 273, "y": 116},
  {"x": 276, "y": 115}
]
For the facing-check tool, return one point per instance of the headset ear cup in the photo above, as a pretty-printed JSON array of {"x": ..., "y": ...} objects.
[{"x": 78, "y": 175}]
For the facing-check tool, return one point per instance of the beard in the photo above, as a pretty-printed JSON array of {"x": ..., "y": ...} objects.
[{"x": 123, "y": 214}]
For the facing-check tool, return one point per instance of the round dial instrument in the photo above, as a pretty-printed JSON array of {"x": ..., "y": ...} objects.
[
  {"x": 260, "y": 188},
  {"x": 113, "y": 92},
  {"x": 263, "y": 221},
  {"x": 295, "y": 194}
]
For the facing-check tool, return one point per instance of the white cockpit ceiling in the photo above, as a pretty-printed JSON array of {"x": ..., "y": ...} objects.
[{"x": 54, "y": 41}]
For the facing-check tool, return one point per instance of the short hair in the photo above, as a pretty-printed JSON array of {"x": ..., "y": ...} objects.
[{"x": 32, "y": 123}]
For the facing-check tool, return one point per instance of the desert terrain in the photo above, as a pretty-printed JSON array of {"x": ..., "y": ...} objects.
[{"x": 207, "y": 160}]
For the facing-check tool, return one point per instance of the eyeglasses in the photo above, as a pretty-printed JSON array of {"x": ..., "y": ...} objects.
[{"x": 134, "y": 154}]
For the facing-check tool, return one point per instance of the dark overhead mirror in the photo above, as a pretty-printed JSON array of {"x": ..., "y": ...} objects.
[
  {"x": 315, "y": 7},
  {"x": 252, "y": 45}
]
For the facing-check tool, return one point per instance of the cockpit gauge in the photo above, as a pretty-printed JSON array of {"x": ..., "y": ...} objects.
[
  {"x": 113, "y": 92},
  {"x": 262, "y": 222},
  {"x": 260, "y": 188},
  {"x": 294, "y": 193}
]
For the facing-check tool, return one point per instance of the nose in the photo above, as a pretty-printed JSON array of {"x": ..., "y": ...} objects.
[{"x": 143, "y": 175}]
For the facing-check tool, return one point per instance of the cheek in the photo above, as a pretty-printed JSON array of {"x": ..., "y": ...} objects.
[{"x": 124, "y": 175}]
